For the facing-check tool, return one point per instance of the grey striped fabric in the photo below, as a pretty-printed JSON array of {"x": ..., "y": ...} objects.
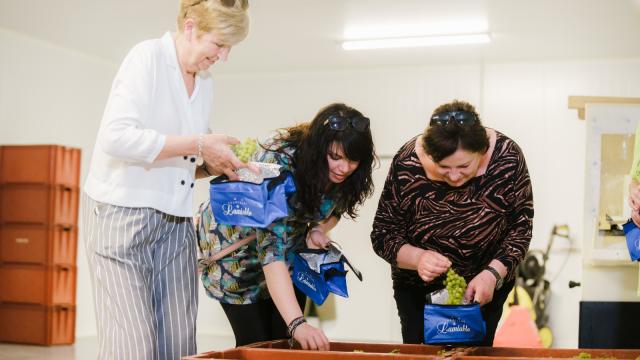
[{"x": 144, "y": 278}]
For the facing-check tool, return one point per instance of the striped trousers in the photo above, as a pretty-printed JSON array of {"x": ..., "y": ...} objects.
[{"x": 144, "y": 278}]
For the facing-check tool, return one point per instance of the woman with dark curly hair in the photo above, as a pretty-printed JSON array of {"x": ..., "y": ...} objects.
[
  {"x": 456, "y": 196},
  {"x": 331, "y": 159}
]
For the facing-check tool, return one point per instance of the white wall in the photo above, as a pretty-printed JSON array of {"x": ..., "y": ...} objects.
[{"x": 52, "y": 95}]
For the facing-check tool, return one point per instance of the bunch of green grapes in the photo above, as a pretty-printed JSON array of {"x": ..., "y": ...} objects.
[
  {"x": 245, "y": 149},
  {"x": 456, "y": 286},
  {"x": 583, "y": 355}
]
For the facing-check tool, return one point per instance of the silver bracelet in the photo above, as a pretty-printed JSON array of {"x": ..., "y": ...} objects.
[{"x": 200, "y": 144}]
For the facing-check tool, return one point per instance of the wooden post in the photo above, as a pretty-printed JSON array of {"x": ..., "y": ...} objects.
[{"x": 578, "y": 102}]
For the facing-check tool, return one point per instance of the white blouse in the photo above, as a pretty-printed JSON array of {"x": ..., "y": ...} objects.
[{"x": 149, "y": 101}]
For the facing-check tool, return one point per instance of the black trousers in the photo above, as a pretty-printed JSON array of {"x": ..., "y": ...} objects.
[
  {"x": 410, "y": 303},
  {"x": 258, "y": 322}
]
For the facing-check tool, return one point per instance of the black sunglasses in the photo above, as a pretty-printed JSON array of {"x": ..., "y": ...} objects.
[
  {"x": 339, "y": 123},
  {"x": 460, "y": 117}
]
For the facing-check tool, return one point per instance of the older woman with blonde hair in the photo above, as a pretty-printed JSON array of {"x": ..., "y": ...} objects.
[{"x": 153, "y": 142}]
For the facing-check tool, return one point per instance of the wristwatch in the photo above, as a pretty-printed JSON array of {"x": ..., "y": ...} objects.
[{"x": 495, "y": 273}]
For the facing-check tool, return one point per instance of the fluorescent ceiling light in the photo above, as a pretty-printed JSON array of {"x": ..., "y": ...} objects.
[
  {"x": 437, "y": 40},
  {"x": 385, "y": 30}
]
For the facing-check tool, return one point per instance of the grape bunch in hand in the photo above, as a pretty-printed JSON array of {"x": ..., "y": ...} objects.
[
  {"x": 456, "y": 285},
  {"x": 245, "y": 149}
]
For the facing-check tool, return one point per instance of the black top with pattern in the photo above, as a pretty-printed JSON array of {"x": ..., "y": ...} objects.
[{"x": 489, "y": 217}]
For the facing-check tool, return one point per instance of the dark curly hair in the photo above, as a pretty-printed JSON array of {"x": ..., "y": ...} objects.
[
  {"x": 312, "y": 142},
  {"x": 441, "y": 141}
]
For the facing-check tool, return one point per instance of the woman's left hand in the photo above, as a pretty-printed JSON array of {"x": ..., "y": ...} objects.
[
  {"x": 634, "y": 201},
  {"x": 317, "y": 239},
  {"x": 480, "y": 289}
]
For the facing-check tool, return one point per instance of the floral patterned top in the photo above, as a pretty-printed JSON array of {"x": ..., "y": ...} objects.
[{"x": 238, "y": 277}]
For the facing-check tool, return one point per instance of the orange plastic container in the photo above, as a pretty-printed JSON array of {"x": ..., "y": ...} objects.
[
  {"x": 38, "y": 244},
  {"x": 40, "y": 164},
  {"x": 37, "y": 324},
  {"x": 39, "y": 204},
  {"x": 37, "y": 284}
]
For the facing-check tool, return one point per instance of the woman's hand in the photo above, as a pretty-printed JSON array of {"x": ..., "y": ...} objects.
[
  {"x": 219, "y": 158},
  {"x": 634, "y": 201},
  {"x": 480, "y": 289},
  {"x": 431, "y": 265},
  {"x": 311, "y": 338},
  {"x": 317, "y": 239},
  {"x": 281, "y": 290}
]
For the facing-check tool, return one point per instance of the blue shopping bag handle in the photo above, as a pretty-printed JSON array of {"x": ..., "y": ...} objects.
[{"x": 343, "y": 258}]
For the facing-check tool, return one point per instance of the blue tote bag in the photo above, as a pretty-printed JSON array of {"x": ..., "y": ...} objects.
[
  {"x": 453, "y": 324},
  {"x": 318, "y": 272},
  {"x": 311, "y": 283},
  {"x": 247, "y": 204},
  {"x": 632, "y": 234}
]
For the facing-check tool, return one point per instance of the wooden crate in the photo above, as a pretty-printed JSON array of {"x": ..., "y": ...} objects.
[
  {"x": 279, "y": 350},
  {"x": 39, "y": 204},
  {"x": 37, "y": 324},
  {"x": 529, "y": 353},
  {"x": 38, "y": 244},
  {"x": 40, "y": 164},
  {"x": 37, "y": 284}
]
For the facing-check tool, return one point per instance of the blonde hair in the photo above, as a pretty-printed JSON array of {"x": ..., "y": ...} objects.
[{"x": 230, "y": 23}]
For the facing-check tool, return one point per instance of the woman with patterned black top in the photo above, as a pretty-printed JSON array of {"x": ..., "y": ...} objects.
[
  {"x": 331, "y": 159},
  {"x": 457, "y": 196}
]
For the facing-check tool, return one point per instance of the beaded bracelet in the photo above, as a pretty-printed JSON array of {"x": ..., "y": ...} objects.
[{"x": 291, "y": 328}]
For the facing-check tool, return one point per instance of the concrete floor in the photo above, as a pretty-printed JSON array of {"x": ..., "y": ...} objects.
[{"x": 85, "y": 348}]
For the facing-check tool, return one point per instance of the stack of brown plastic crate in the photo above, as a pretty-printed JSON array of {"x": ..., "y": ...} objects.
[{"x": 39, "y": 200}]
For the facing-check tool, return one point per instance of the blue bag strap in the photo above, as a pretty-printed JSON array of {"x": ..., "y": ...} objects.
[
  {"x": 346, "y": 261},
  {"x": 219, "y": 179},
  {"x": 355, "y": 271},
  {"x": 222, "y": 179},
  {"x": 275, "y": 181}
]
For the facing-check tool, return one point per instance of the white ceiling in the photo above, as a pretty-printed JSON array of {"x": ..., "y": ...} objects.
[{"x": 291, "y": 35}]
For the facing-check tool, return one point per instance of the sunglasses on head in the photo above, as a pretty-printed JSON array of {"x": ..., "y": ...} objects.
[
  {"x": 231, "y": 3},
  {"x": 228, "y": 3},
  {"x": 340, "y": 123},
  {"x": 460, "y": 117}
]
